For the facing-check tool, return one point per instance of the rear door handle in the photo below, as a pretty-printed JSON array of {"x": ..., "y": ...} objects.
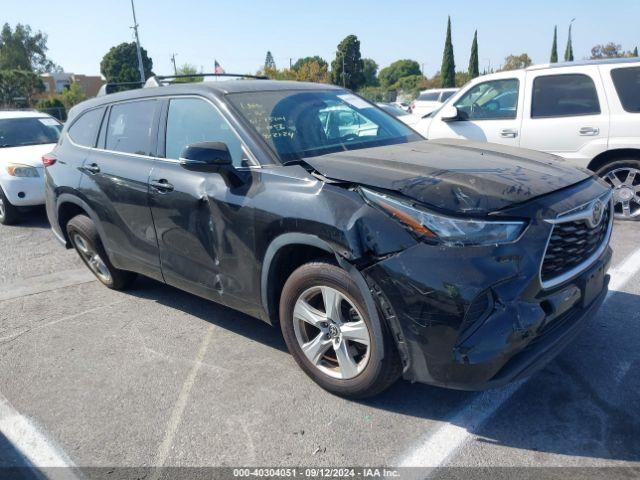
[
  {"x": 93, "y": 168},
  {"x": 161, "y": 185},
  {"x": 508, "y": 133},
  {"x": 589, "y": 131}
]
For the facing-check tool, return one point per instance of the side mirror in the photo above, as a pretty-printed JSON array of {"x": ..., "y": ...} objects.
[
  {"x": 206, "y": 157},
  {"x": 449, "y": 114}
]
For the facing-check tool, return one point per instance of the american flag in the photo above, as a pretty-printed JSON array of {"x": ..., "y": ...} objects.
[{"x": 218, "y": 68}]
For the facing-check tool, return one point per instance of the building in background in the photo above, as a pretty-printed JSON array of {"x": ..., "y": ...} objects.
[{"x": 57, "y": 82}]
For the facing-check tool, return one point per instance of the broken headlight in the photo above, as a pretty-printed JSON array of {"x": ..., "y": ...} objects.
[{"x": 440, "y": 228}]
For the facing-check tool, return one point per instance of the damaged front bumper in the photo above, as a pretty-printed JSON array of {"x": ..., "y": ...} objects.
[{"x": 478, "y": 317}]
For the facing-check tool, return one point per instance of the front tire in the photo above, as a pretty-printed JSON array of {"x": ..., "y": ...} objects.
[
  {"x": 85, "y": 239},
  {"x": 329, "y": 332},
  {"x": 9, "y": 214},
  {"x": 624, "y": 177}
]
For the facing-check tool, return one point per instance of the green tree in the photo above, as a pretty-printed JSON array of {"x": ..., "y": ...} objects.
[
  {"x": 18, "y": 87},
  {"x": 370, "y": 72},
  {"x": 120, "y": 64},
  {"x": 188, "y": 69},
  {"x": 568, "y": 53},
  {"x": 301, "y": 62},
  {"x": 311, "y": 69},
  {"x": 269, "y": 62},
  {"x": 389, "y": 76},
  {"x": 53, "y": 106},
  {"x": 635, "y": 52},
  {"x": 346, "y": 68},
  {"x": 554, "y": 46},
  {"x": 610, "y": 50},
  {"x": 474, "y": 67},
  {"x": 448, "y": 70},
  {"x": 22, "y": 49},
  {"x": 516, "y": 62},
  {"x": 73, "y": 95}
]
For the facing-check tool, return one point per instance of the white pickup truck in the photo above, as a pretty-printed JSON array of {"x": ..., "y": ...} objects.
[{"x": 587, "y": 112}]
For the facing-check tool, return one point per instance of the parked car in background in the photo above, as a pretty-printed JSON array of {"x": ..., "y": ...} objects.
[
  {"x": 400, "y": 114},
  {"x": 377, "y": 253},
  {"x": 25, "y": 136},
  {"x": 403, "y": 106},
  {"x": 430, "y": 100},
  {"x": 587, "y": 112}
]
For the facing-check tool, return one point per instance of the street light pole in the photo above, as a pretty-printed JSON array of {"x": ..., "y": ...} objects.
[
  {"x": 173, "y": 60},
  {"x": 135, "y": 29}
]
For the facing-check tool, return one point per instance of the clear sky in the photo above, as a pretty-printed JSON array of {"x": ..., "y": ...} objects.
[{"x": 238, "y": 33}]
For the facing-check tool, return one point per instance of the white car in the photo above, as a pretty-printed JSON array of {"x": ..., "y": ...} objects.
[
  {"x": 587, "y": 112},
  {"x": 399, "y": 113},
  {"x": 25, "y": 137},
  {"x": 430, "y": 100}
]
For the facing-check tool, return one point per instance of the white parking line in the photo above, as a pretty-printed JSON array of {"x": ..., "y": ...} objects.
[
  {"x": 32, "y": 445},
  {"x": 181, "y": 403},
  {"x": 435, "y": 449}
]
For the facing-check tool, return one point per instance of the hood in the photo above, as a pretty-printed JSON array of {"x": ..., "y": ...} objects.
[
  {"x": 453, "y": 175},
  {"x": 28, "y": 155}
]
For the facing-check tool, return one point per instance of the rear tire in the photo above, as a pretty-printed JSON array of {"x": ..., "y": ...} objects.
[
  {"x": 9, "y": 214},
  {"x": 624, "y": 177},
  {"x": 335, "y": 345},
  {"x": 85, "y": 239}
]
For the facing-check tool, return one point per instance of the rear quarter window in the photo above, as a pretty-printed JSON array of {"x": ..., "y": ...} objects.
[
  {"x": 627, "y": 83},
  {"x": 85, "y": 129}
]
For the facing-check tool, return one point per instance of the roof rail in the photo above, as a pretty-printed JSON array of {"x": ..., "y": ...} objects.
[
  {"x": 108, "y": 88},
  {"x": 159, "y": 80}
]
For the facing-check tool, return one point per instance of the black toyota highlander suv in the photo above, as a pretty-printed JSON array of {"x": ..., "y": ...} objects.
[{"x": 377, "y": 253}]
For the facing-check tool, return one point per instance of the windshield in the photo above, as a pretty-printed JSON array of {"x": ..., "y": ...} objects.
[
  {"x": 299, "y": 124},
  {"x": 20, "y": 132}
]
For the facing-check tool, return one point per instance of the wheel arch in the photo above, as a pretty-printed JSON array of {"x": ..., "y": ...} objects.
[
  {"x": 69, "y": 206},
  {"x": 613, "y": 155},
  {"x": 278, "y": 264}
]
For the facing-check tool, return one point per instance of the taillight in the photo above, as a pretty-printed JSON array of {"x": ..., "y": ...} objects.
[{"x": 48, "y": 160}]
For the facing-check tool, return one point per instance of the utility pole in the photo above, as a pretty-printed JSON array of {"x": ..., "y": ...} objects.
[
  {"x": 135, "y": 29},
  {"x": 173, "y": 60},
  {"x": 344, "y": 74},
  {"x": 290, "y": 63}
]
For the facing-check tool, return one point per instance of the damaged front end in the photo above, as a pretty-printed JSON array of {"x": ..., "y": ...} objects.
[{"x": 475, "y": 317}]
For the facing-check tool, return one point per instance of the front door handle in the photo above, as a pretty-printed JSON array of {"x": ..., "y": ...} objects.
[
  {"x": 589, "y": 131},
  {"x": 508, "y": 133},
  {"x": 161, "y": 185},
  {"x": 93, "y": 168}
]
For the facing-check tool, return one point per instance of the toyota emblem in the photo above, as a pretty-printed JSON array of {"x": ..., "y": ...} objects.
[{"x": 596, "y": 213}]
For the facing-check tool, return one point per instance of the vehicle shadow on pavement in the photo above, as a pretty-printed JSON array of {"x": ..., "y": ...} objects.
[
  {"x": 34, "y": 217},
  {"x": 209, "y": 311}
]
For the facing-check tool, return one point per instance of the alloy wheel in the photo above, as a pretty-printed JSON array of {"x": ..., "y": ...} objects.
[
  {"x": 92, "y": 258},
  {"x": 2, "y": 209},
  {"x": 332, "y": 332},
  {"x": 626, "y": 192}
]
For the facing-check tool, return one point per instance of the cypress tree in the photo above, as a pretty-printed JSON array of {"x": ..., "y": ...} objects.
[
  {"x": 474, "y": 69},
  {"x": 448, "y": 70},
  {"x": 635, "y": 52},
  {"x": 269, "y": 62},
  {"x": 554, "y": 47},
  {"x": 568, "y": 53}
]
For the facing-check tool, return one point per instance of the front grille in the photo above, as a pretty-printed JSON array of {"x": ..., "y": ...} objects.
[{"x": 573, "y": 243}]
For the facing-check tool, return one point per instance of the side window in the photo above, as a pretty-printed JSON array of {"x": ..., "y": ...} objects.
[
  {"x": 429, "y": 96},
  {"x": 85, "y": 129},
  {"x": 191, "y": 120},
  {"x": 627, "y": 83},
  {"x": 130, "y": 127},
  {"x": 564, "y": 96},
  {"x": 494, "y": 100},
  {"x": 445, "y": 96}
]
